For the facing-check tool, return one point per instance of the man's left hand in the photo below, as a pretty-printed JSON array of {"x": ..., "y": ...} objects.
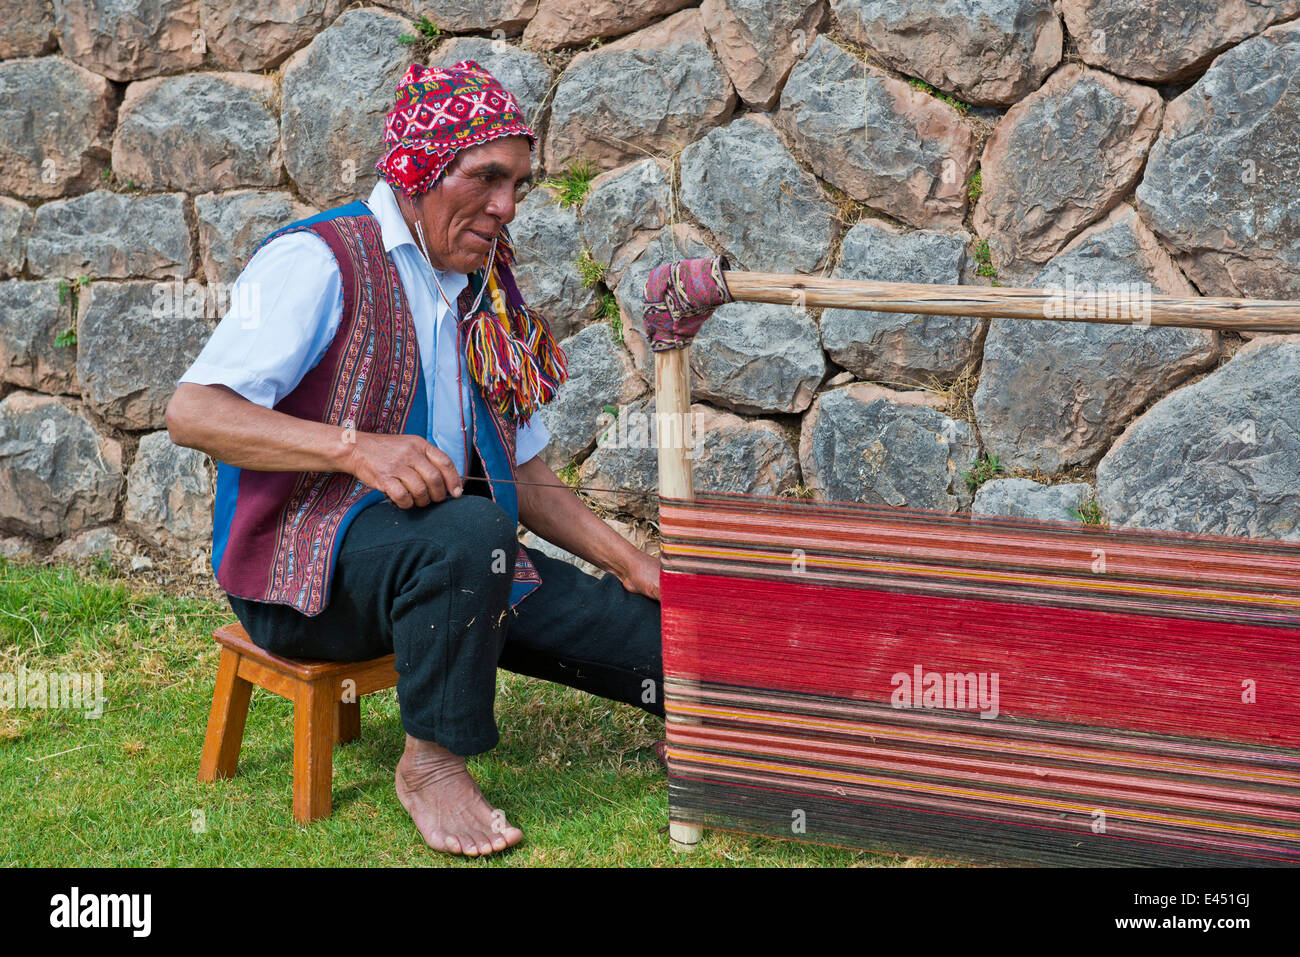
[
  {"x": 551, "y": 510},
  {"x": 642, "y": 578}
]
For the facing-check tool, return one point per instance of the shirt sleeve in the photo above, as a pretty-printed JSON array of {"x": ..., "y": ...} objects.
[
  {"x": 284, "y": 310},
  {"x": 530, "y": 438}
]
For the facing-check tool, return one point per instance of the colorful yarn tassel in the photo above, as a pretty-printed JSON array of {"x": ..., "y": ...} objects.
[
  {"x": 512, "y": 356},
  {"x": 505, "y": 248}
]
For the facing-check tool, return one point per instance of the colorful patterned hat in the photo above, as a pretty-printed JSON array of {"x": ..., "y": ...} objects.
[{"x": 440, "y": 112}]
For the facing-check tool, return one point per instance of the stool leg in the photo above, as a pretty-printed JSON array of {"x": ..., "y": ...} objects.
[
  {"x": 314, "y": 720},
  {"x": 349, "y": 721},
  {"x": 226, "y": 720}
]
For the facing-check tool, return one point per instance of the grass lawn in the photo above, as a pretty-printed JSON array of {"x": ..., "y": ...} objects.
[{"x": 576, "y": 773}]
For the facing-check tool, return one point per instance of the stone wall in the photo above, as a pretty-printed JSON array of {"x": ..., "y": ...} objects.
[{"x": 146, "y": 146}]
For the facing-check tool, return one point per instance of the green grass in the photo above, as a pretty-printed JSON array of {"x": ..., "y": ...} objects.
[
  {"x": 1089, "y": 513},
  {"x": 422, "y": 43},
  {"x": 609, "y": 312},
  {"x": 570, "y": 188},
  {"x": 986, "y": 468},
  {"x": 70, "y": 289},
  {"x": 569, "y": 475},
  {"x": 590, "y": 270},
  {"x": 110, "y": 181},
  {"x": 952, "y": 101},
  {"x": 575, "y": 772},
  {"x": 799, "y": 490},
  {"x": 427, "y": 30},
  {"x": 975, "y": 188}
]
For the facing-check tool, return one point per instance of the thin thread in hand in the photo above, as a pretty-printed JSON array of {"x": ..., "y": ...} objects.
[{"x": 576, "y": 488}]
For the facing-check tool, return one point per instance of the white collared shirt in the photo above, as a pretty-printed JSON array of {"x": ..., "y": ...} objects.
[{"x": 288, "y": 303}]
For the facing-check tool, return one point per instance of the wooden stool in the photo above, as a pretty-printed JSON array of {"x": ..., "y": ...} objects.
[{"x": 326, "y": 698}]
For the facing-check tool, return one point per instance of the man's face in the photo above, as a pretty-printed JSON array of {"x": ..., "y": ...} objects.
[{"x": 474, "y": 198}]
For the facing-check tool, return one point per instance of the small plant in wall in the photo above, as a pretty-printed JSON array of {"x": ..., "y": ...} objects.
[
  {"x": 570, "y": 188},
  {"x": 69, "y": 290},
  {"x": 986, "y": 468},
  {"x": 1089, "y": 513}
]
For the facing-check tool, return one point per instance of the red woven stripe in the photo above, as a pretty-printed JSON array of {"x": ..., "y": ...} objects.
[
  {"x": 987, "y": 542},
  {"x": 1096, "y": 668},
  {"x": 1099, "y": 788}
]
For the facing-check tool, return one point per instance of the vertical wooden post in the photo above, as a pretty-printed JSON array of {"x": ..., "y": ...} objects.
[{"x": 676, "y": 480}]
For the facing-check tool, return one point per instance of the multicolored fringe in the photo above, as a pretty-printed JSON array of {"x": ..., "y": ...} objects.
[{"x": 511, "y": 354}]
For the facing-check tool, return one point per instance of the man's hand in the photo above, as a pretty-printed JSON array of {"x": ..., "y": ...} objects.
[
  {"x": 406, "y": 468},
  {"x": 550, "y": 509},
  {"x": 642, "y": 576},
  {"x": 214, "y": 419}
]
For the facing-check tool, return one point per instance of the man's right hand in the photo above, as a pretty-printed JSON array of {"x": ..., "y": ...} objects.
[
  {"x": 214, "y": 419},
  {"x": 407, "y": 468}
]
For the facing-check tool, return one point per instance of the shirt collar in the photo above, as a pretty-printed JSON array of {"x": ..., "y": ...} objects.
[{"x": 392, "y": 225}]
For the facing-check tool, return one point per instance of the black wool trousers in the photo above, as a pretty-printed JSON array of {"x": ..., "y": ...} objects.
[{"x": 431, "y": 585}]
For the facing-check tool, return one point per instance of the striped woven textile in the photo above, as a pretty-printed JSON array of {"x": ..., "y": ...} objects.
[{"x": 981, "y": 689}]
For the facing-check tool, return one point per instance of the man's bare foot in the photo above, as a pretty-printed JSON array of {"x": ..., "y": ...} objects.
[{"x": 447, "y": 806}]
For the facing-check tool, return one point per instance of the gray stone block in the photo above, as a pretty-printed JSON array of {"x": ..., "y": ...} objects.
[
  {"x": 742, "y": 183},
  {"x": 651, "y": 92},
  {"x": 893, "y": 147},
  {"x": 169, "y": 493},
  {"x": 335, "y": 93},
  {"x": 868, "y": 444},
  {"x": 32, "y": 316},
  {"x": 1022, "y": 498},
  {"x": 130, "y": 352},
  {"x": 57, "y": 474},
  {"x": 1222, "y": 187},
  {"x": 112, "y": 236},
  {"x": 1216, "y": 457},
  {"x": 198, "y": 132},
  {"x": 901, "y": 349}
]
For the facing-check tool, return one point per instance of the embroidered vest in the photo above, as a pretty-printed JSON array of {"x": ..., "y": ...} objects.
[{"x": 276, "y": 535}]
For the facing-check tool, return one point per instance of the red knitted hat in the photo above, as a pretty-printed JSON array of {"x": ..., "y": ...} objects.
[{"x": 439, "y": 112}]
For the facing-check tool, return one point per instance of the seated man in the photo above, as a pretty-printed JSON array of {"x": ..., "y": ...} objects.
[{"x": 374, "y": 419}]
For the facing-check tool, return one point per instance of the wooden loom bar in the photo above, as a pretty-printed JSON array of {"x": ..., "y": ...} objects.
[
  {"x": 1115, "y": 307},
  {"x": 676, "y": 480}
]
